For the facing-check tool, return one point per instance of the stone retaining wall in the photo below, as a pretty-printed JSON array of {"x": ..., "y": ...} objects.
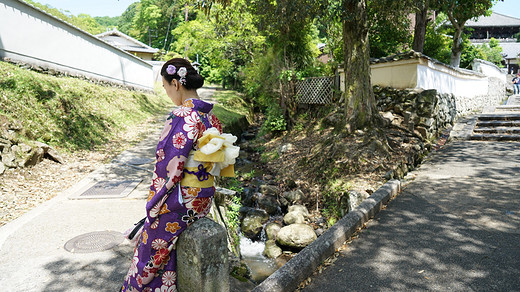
[{"x": 427, "y": 112}]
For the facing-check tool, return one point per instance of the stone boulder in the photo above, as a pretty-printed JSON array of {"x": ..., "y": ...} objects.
[
  {"x": 296, "y": 236},
  {"x": 272, "y": 250},
  {"x": 50, "y": 152},
  {"x": 268, "y": 203},
  {"x": 293, "y": 218},
  {"x": 272, "y": 229},
  {"x": 8, "y": 159},
  {"x": 299, "y": 209},
  {"x": 350, "y": 200},
  {"x": 268, "y": 190},
  {"x": 293, "y": 196},
  {"x": 252, "y": 223}
]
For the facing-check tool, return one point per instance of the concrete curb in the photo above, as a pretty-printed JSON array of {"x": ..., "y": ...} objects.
[{"x": 299, "y": 268}]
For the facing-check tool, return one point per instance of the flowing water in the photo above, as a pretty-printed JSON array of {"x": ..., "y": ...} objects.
[{"x": 260, "y": 266}]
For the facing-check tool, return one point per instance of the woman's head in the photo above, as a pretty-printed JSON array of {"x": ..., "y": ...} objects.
[{"x": 181, "y": 70}]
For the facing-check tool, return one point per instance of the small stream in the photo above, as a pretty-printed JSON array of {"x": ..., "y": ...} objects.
[
  {"x": 260, "y": 266},
  {"x": 251, "y": 251}
]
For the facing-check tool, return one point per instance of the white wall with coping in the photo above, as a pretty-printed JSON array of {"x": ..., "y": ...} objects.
[
  {"x": 489, "y": 69},
  {"x": 426, "y": 74},
  {"x": 472, "y": 89},
  {"x": 32, "y": 36}
]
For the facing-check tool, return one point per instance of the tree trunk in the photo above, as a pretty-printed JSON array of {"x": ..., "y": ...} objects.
[
  {"x": 360, "y": 104},
  {"x": 456, "y": 48},
  {"x": 421, "y": 19}
]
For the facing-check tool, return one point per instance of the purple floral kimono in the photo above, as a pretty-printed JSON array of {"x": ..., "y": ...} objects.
[{"x": 181, "y": 192}]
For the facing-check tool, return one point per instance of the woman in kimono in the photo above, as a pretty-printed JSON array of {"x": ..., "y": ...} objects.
[{"x": 182, "y": 186}]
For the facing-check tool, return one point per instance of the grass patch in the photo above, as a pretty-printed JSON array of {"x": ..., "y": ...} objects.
[
  {"x": 233, "y": 101},
  {"x": 230, "y": 106},
  {"x": 68, "y": 112}
]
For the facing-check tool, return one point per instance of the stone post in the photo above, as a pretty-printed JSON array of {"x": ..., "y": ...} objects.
[{"x": 202, "y": 258}]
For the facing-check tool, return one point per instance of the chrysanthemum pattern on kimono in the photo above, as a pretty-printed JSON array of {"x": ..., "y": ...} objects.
[{"x": 153, "y": 267}]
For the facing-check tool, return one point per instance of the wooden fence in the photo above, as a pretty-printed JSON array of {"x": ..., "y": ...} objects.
[{"x": 316, "y": 90}]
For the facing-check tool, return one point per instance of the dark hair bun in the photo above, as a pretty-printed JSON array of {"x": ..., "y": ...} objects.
[{"x": 193, "y": 79}]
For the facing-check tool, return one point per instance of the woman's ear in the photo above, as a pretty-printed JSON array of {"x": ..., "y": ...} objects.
[{"x": 176, "y": 84}]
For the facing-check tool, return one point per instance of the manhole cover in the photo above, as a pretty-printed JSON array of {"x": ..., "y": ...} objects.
[
  {"x": 94, "y": 242},
  {"x": 110, "y": 189}
]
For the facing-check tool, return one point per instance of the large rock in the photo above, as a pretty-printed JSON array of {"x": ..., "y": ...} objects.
[
  {"x": 2, "y": 168},
  {"x": 293, "y": 196},
  {"x": 268, "y": 190},
  {"x": 296, "y": 236},
  {"x": 272, "y": 250},
  {"x": 299, "y": 209},
  {"x": 8, "y": 159},
  {"x": 50, "y": 152},
  {"x": 32, "y": 158},
  {"x": 272, "y": 229},
  {"x": 351, "y": 200},
  {"x": 252, "y": 223},
  {"x": 293, "y": 218},
  {"x": 269, "y": 204}
]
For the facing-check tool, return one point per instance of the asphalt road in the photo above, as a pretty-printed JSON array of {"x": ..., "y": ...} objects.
[{"x": 455, "y": 227}]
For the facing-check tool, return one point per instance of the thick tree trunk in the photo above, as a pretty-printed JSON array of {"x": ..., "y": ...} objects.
[
  {"x": 421, "y": 19},
  {"x": 360, "y": 104}
]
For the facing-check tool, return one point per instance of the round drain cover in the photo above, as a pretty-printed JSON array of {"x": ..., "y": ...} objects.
[{"x": 94, "y": 241}]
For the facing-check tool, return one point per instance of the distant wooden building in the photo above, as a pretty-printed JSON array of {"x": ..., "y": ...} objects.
[
  {"x": 128, "y": 43},
  {"x": 503, "y": 28}
]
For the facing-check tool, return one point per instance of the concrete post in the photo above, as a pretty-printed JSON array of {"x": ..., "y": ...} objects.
[{"x": 202, "y": 258}]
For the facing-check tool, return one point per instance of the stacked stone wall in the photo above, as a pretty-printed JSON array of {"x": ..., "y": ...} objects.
[{"x": 428, "y": 112}]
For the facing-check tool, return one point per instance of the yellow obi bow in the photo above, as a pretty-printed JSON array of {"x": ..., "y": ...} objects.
[{"x": 218, "y": 149}]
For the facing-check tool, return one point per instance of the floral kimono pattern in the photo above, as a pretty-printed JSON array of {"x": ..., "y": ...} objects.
[{"x": 172, "y": 205}]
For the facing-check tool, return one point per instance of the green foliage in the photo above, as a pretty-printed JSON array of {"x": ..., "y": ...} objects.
[
  {"x": 107, "y": 21},
  {"x": 269, "y": 156},
  {"x": 275, "y": 121},
  {"x": 288, "y": 27},
  {"x": 331, "y": 200},
  {"x": 125, "y": 20},
  {"x": 146, "y": 20},
  {"x": 437, "y": 43},
  {"x": 492, "y": 52},
  {"x": 223, "y": 45},
  {"x": 69, "y": 112},
  {"x": 232, "y": 100},
  {"x": 261, "y": 77},
  {"x": 458, "y": 13},
  {"x": 389, "y": 31},
  {"x": 149, "y": 21},
  {"x": 82, "y": 21}
]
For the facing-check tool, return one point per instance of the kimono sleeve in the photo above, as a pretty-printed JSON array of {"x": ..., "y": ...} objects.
[{"x": 172, "y": 152}]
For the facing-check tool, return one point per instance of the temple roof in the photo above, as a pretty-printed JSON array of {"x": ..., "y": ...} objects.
[
  {"x": 495, "y": 19},
  {"x": 511, "y": 50}
]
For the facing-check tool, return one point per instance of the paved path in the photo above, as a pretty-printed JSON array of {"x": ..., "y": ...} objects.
[
  {"x": 455, "y": 227},
  {"x": 32, "y": 253}
]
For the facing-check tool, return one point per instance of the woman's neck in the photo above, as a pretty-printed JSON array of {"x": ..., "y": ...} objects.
[{"x": 189, "y": 94}]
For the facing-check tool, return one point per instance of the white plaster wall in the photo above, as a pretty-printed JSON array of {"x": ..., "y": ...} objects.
[
  {"x": 431, "y": 77},
  {"x": 402, "y": 74},
  {"x": 32, "y": 36},
  {"x": 489, "y": 69}
]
